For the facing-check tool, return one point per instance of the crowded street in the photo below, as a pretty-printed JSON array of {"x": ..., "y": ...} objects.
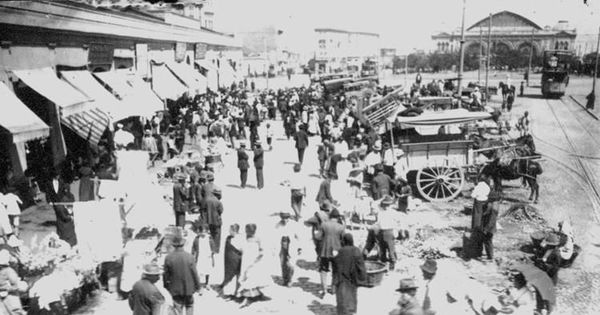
[{"x": 178, "y": 157}]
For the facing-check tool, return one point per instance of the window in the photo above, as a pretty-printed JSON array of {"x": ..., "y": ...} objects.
[{"x": 322, "y": 43}]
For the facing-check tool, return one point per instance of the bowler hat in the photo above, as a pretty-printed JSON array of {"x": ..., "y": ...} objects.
[
  {"x": 334, "y": 214},
  {"x": 386, "y": 145},
  {"x": 216, "y": 190},
  {"x": 178, "y": 241},
  {"x": 326, "y": 205},
  {"x": 210, "y": 176},
  {"x": 430, "y": 266},
  {"x": 407, "y": 284},
  {"x": 151, "y": 269}
]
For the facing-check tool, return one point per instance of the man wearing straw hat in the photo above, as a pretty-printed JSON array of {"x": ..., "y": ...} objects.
[
  {"x": 259, "y": 163},
  {"x": 145, "y": 298},
  {"x": 180, "y": 277},
  {"x": 409, "y": 305}
]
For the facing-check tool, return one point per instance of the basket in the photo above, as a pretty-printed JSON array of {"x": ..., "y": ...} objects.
[{"x": 375, "y": 272}]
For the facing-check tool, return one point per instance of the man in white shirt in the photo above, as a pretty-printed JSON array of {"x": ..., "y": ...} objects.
[
  {"x": 387, "y": 219},
  {"x": 11, "y": 203},
  {"x": 390, "y": 157},
  {"x": 297, "y": 190},
  {"x": 480, "y": 199}
]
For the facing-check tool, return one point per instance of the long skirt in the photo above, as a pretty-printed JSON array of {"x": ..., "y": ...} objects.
[{"x": 345, "y": 296}]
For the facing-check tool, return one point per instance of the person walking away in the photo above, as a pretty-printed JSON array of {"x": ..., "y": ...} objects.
[
  {"x": 404, "y": 193},
  {"x": 323, "y": 155},
  {"x": 11, "y": 286},
  {"x": 11, "y": 203},
  {"x": 259, "y": 163},
  {"x": 480, "y": 196},
  {"x": 232, "y": 262},
  {"x": 522, "y": 89},
  {"x": 214, "y": 211},
  {"x": 348, "y": 271},
  {"x": 332, "y": 232},
  {"x": 181, "y": 197},
  {"x": 149, "y": 144},
  {"x": 287, "y": 233},
  {"x": 523, "y": 124},
  {"x": 418, "y": 78},
  {"x": 203, "y": 254},
  {"x": 315, "y": 223},
  {"x": 254, "y": 276},
  {"x": 409, "y": 305},
  {"x": 382, "y": 184},
  {"x": 269, "y": 136},
  {"x": 510, "y": 99},
  {"x": 180, "y": 277},
  {"x": 324, "y": 193},
  {"x": 243, "y": 164},
  {"x": 301, "y": 139},
  {"x": 298, "y": 192},
  {"x": 145, "y": 298},
  {"x": 388, "y": 222},
  {"x": 489, "y": 218}
]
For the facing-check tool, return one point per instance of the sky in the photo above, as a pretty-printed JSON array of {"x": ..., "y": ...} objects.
[{"x": 402, "y": 24}]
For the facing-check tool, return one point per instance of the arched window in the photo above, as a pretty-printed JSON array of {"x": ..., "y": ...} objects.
[
  {"x": 566, "y": 45},
  {"x": 556, "y": 45}
]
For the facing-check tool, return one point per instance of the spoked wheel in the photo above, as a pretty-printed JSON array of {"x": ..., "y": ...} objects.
[{"x": 440, "y": 183}]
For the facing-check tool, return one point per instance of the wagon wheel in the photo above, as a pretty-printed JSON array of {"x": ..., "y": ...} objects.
[{"x": 440, "y": 183}]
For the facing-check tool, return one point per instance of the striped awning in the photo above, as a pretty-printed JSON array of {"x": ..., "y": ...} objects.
[
  {"x": 18, "y": 119},
  {"x": 89, "y": 124},
  {"x": 45, "y": 82}
]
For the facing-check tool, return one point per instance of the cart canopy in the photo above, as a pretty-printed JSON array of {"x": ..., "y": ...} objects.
[{"x": 452, "y": 116}]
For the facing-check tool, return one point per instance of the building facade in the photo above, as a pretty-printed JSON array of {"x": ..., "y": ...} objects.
[
  {"x": 336, "y": 50},
  {"x": 510, "y": 32},
  {"x": 40, "y": 40}
]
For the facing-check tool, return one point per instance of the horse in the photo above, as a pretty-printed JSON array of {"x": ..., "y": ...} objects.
[{"x": 509, "y": 164}]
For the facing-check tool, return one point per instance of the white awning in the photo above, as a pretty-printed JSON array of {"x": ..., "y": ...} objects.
[
  {"x": 451, "y": 116},
  {"x": 206, "y": 64},
  {"x": 195, "y": 81},
  {"x": 45, "y": 82},
  {"x": 138, "y": 98},
  {"x": 18, "y": 119},
  {"x": 103, "y": 99},
  {"x": 165, "y": 84}
]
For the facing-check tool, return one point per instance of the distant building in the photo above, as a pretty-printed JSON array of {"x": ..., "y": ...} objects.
[
  {"x": 339, "y": 49},
  {"x": 387, "y": 57},
  {"x": 510, "y": 32}
]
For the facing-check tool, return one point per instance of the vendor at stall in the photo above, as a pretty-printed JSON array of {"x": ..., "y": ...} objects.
[{"x": 10, "y": 285}]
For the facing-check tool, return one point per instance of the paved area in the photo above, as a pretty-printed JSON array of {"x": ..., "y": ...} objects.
[{"x": 564, "y": 134}]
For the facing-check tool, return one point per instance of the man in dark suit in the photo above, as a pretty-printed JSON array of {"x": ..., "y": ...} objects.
[
  {"x": 180, "y": 277},
  {"x": 65, "y": 226},
  {"x": 243, "y": 164},
  {"x": 209, "y": 186},
  {"x": 489, "y": 218},
  {"x": 181, "y": 197},
  {"x": 348, "y": 270},
  {"x": 214, "y": 209},
  {"x": 301, "y": 138},
  {"x": 145, "y": 298},
  {"x": 259, "y": 163},
  {"x": 332, "y": 231},
  {"x": 325, "y": 191}
]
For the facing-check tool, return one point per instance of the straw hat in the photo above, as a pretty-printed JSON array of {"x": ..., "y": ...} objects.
[{"x": 152, "y": 269}]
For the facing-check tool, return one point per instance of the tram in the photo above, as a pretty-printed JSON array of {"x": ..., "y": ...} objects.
[{"x": 555, "y": 72}]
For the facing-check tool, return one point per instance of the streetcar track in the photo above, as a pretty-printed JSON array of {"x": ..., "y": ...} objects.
[{"x": 589, "y": 178}]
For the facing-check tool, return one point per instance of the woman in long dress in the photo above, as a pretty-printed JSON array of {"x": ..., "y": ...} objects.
[
  {"x": 201, "y": 250},
  {"x": 254, "y": 276},
  {"x": 233, "y": 261}
]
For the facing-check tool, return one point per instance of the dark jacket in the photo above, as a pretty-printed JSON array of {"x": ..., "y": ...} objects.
[
  {"x": 332, "y": 237},
  {"x": 145, "y": 299},
  {"x": 382, "y": 186},
  {"x": 348, "y": 270},
  {"x": 243, "y": 159},
  {"x": 324, "y": 192},
  {"x": 181, "y": 197},
  {"x": 214, "y": 210},
  {"x": 207, "y": 189},
  {"x": 489, "y": 218},
  {"x": 180, "y": 275},
  {"x": 301, "y": 139},
  {"x": 259, "y": 161},
  {"x": 196, "y": 195},
  {"x": 65, "y": 227},
  {"x": 412, "y": 308}
]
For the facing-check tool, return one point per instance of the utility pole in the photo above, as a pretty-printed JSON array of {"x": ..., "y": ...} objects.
[
  {"x": 406, "y": 72},
  {"x": 462, "y": 49},
  {"x": 595, "y": 72},
  {"x": 530, "y": 57},
  {"x": 488, "y": 56},
  {"x": 480, "y": 54}
]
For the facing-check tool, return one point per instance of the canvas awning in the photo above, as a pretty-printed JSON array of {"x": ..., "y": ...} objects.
[
  {"x": 45, "y": 82},
  {"x": 103, "y": 99},
  {"x": 452, "y": 116},
  {"x": 89, "y": 125},
  {"x": 165, "y": 84},
  {"x": 211, "y": 75},
  {"x": 195, "y": 81},
  {"x": 139, "y": 100},
  {"x": 206, "y": 64},
  {"x": 18, "y": 119},
  {"x": 227, "y": 76}
]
